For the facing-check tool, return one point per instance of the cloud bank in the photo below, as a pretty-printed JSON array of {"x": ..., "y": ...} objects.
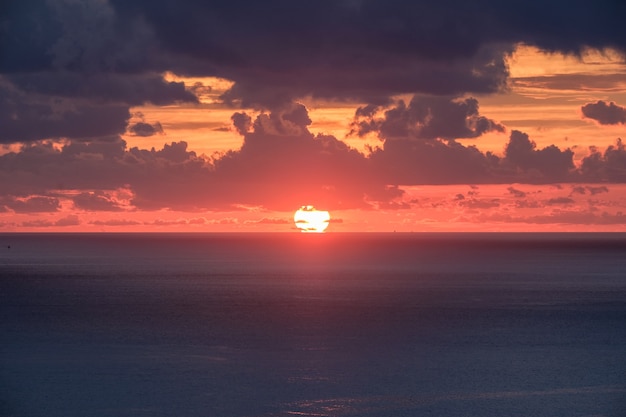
[{"x": 70, "y": 73}]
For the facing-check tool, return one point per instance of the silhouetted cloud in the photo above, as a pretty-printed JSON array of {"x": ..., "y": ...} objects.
[
  {"x": 605, "y": 114},
  {"x": 145, "y": 129},
  {"x": 130, "y": 89},
  {"x": 547, "y": 164},
  {"x": 95, "y": 201},
  {"x": 26, "y": 118},
  {"x": 70, "y": 220},
  {"x": 516, "y": 193},
  {"x": 593, "y": 190},
  {"x": 282, "y": 165},
  {"x": 115, "y": 222},
  {"x": 270, "y": 220},
  {"x": 559, "y": 201},
  {"x": 426, "y": 117},
  {"x": 280, "y": 50},
  {"x": 610, "y": 166},
  {"x": 37, "y": 204}
]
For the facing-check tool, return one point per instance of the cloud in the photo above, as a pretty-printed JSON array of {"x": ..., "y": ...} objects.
[
  {"x": 370, "y": 50},
  {"x": 26, "y": 118},
  {"x": 557, "y": 216},
  {"x": 73, "y": 69},
  {"x": 145, "y": 129},
  {"x": 547, "y": 164},
  {"x": 476, "y": 203},
  {"x": 269, "y": 220},
  {"x": 70, "y": 220},
  {"x": 516, "y": 193},
  {"x": 281, "y": 165},
  {"x": 115, "y": 222},
  {"x": 96, "y": 201},
  {"x": 559, "y": 201},
  {"x": 367, "y": 51},
  {"x": 597, "y": 190},
  {"x": 37, "y": 204},
  {"x": 605, "y": 114},
  {"x": 593, "y": 190},
  {"x": 130, "y": 89},
  {"x": 610, "y": 166},
  {"x": 426, "y": 117}
]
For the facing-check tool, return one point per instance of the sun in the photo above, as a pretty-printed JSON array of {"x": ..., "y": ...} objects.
[{"x": 310, "y": 220}]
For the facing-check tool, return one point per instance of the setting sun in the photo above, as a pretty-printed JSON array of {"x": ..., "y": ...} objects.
[{"x": 310, "y": 220}]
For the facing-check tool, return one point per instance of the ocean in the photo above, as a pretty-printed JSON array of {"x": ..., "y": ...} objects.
[{"x": 278, "y": 325}]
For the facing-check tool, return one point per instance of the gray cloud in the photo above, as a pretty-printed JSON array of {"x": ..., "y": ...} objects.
[
  {"x": 605, "y": 114},
  {"x": 70, "y": 220},
  {"x": 426, "y": 117},
  {"x": 38, "y": 204},
  {"x": 282, "y": 165},
  {"x": 115, "y": 222},
  {"x": 29, "y": 118},
  {"x": 283, "y": 50},
  {"x": 145, "y": 129},
  {"x": 516, "y": 193},
  {"x": 610, "y": 166},
  {"x": 547, "y": 164},
  {"x": 95, "y": 201},
  {"x": 559, "y": 201}
]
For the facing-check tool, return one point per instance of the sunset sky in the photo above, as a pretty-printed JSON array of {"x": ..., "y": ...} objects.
[{"x": 393, "y": 115}]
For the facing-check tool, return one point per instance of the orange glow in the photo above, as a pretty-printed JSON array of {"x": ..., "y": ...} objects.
[{"x": 310, "y": 220}]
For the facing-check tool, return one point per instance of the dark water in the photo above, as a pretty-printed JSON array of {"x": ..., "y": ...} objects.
[{"x": 239, "y": 325}]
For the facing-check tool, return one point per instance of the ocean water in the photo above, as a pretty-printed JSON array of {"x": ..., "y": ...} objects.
[{"x": 264, "y": 325}]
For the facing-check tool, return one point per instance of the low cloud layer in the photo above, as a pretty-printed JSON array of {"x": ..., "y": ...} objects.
[{"x": 280, "y": 165}]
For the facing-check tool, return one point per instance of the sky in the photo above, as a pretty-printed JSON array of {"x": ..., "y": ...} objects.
[{"x": 227, "y": 116}]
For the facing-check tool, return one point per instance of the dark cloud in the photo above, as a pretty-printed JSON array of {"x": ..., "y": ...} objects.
[
  {"x": 27, "y": 118},
  {"x": 407, "y": 161},
  {"x": 559, "y": 201},
  {"x": 279, "y": 50},
  {"x": 95, "y": 201},
  {"x": 178, "y": 222},
  {"x": 593, "y": 190},
  {"x": 547, "y": 164},
  {"x": 242, "y": 122},
  {"x": 582, "y": 217},
  {"x": 38, "y": 204},
  {"x": 70, "y": 220},
  {"x": 516, "y": 193},
  {"x": 477, "y": 203},
  {"x": 115, "y": 222},
  {"x": 270, "y": 220},
  {"x": 130, "y": 89},
  {"x": 73, "y": 69},
  {"x": 282, "y": 165},
  {"x": 370, "y": 50},
  {"x": 598, "y": 189},
  {"x": 525, "y": 204},
  {"x": 426, "y": 117},
  {"x": 145, "y": 129},
  {"x": 610, "y": 166},
  {"x": 605, "y": 114},
  {"x": 85, "y": 36}
]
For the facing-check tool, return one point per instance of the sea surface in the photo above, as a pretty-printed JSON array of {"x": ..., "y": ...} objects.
[{"x": 278, "y": 325}]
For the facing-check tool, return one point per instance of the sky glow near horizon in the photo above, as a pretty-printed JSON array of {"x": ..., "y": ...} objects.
[{"x": 128, "y": 116}]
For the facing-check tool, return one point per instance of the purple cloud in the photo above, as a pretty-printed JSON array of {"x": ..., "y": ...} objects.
[{"x": 605, "y": 114}]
